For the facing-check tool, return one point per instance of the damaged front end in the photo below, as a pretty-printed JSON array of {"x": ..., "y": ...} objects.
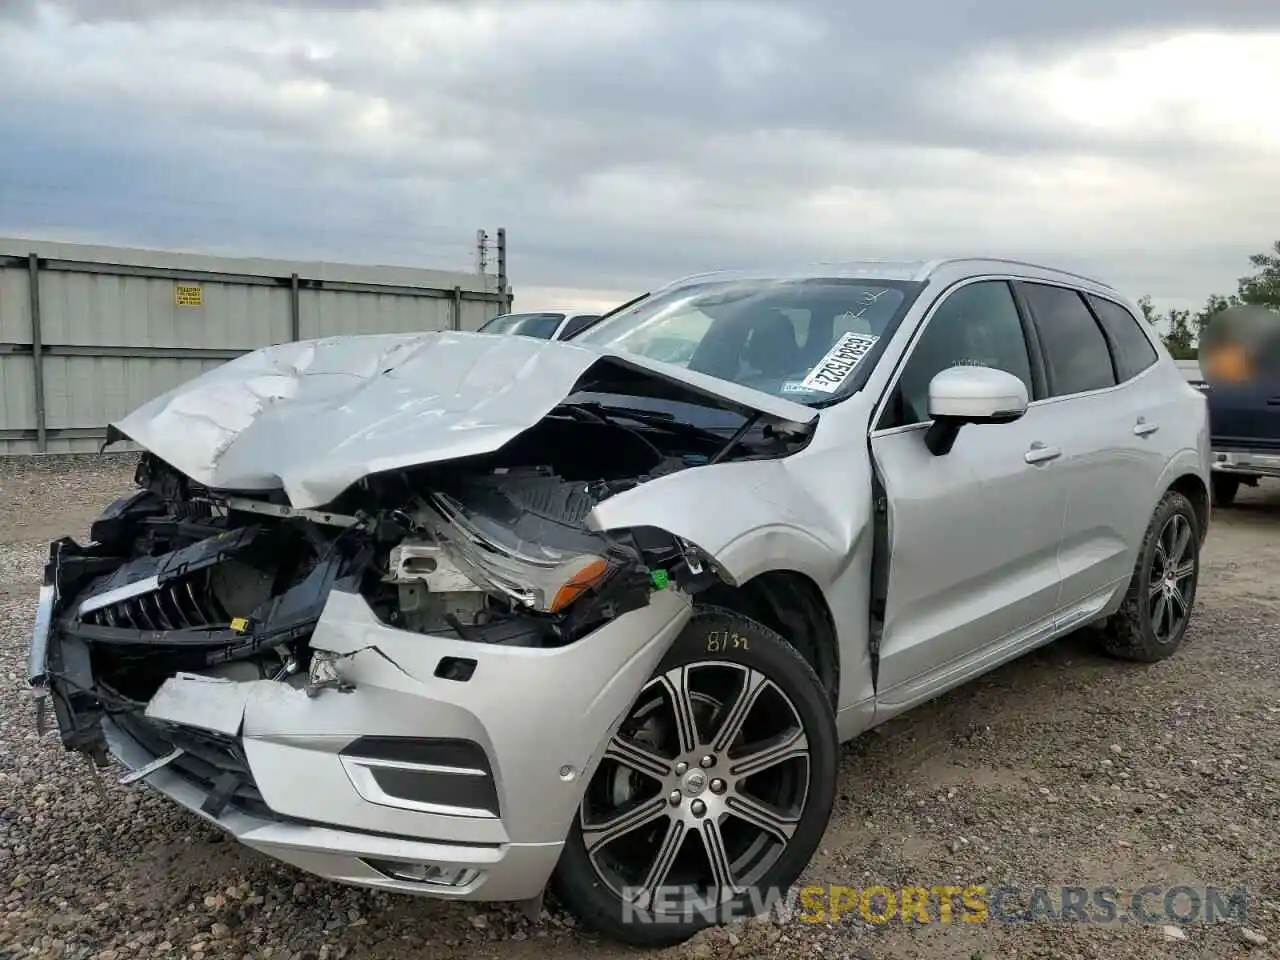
[{"x": 180, "y": 581}]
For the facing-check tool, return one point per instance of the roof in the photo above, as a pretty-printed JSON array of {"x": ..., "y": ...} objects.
[{"x": 916, "y": 271}]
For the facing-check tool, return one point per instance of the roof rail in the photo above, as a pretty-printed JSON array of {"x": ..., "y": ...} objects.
[{"x": 1022, "y": 263}]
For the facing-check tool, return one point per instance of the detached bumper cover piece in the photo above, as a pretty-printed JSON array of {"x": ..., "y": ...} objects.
[{"x": 448, "y": 779}]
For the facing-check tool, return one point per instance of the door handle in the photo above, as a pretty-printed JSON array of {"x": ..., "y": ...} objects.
[
  {"x": 1144, "y": 429},
  {"x": 1039, "y": 453}
]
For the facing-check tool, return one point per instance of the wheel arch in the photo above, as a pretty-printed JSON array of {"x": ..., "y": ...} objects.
[
  {"x": 792, "y": 605},
  {"x": 1192, "y": 486},
  {"x": 1188, "y": 472},
  {"x": 773, "y": 541}
]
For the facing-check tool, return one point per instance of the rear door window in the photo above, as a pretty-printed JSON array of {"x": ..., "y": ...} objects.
[{"x": 1076, "y": 355}]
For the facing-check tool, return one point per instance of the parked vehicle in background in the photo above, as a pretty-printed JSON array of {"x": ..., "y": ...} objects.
[
  {"x": 543, "y": 325},
  {"x": 464, "y": 616},
  {"x": 1240, "y": 361}
]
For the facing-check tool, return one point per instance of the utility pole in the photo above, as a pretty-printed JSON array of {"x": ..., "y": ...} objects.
[
  {"x": 482, "y": 252},
  {"x": 502, "y": 269}
]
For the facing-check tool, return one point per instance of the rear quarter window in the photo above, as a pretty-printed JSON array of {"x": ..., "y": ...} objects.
[{"x": 1133, "y": 351}]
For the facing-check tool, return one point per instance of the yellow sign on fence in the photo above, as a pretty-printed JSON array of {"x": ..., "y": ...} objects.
[{"x": 188, "y": 295}]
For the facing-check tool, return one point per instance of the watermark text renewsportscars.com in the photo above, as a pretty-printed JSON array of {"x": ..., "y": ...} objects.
[{"x": 949, "y": 903}]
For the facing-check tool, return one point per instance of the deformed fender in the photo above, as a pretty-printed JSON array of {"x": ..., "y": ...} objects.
[{"x": 755, "y": 516}]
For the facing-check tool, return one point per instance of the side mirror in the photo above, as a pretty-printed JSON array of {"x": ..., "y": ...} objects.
[{"x": 960, "y": 395}]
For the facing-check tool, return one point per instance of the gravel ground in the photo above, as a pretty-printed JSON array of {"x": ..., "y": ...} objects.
[{"x": 1061, "y": 769}]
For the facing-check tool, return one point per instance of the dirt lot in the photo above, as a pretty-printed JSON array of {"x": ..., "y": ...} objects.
[{"x": 1061, "y": 769}]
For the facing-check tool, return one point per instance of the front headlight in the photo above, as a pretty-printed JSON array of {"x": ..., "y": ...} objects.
[{"x": 534, "y": 575}]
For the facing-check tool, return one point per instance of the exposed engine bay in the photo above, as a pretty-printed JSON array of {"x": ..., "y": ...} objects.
[{"x": 180, "y": 578}]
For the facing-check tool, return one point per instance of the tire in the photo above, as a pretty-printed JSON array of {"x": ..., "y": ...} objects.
[
  {"x": 1224, "y": 489},
  {"x": 1135, "y": 633},
  {"x": 718, "y": 651}
]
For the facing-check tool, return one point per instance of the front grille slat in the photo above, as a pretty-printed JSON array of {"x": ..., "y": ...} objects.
[
  {"x": 189, "y": 590},
  {"x": 182, "y": 609},
  {"x": 158, "y": 610},
  {"x": 139, "y": 612},
  {"x": 168, "y": 604},
  {"x": 188, "y": 604}
]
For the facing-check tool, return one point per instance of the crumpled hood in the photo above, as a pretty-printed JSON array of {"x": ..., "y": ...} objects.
[{"x": 313, "y": 417}]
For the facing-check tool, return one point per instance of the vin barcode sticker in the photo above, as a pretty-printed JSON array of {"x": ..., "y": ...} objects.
[{"x": 841, "y": 360}]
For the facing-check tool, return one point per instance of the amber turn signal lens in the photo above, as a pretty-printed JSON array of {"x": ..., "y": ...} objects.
[{"x": 579, "y": 583}]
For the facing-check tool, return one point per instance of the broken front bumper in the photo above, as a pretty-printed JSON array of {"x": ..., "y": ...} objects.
[{"x": 400, "y": 776}]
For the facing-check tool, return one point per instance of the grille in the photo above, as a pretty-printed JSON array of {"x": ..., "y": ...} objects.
[
  {"x": 186, "y": 604},
  {"x": 208, "y": 758}
]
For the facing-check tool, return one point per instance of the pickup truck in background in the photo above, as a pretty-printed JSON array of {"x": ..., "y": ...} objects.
[
  {"x": 1244, "y": 422},
  {"x": 1240, "y": 376}
]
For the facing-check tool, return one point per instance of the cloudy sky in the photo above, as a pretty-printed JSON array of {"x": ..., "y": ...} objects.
[{"x": 625, "y": 143}]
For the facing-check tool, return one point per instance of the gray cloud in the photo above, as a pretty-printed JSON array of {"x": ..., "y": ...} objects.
[
  {"x": 619, "y": 142},
  {"x": 106, "y": 11}
]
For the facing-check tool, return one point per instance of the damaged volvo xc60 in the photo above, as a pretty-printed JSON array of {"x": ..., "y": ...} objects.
[{"x": 476, "y": 617}]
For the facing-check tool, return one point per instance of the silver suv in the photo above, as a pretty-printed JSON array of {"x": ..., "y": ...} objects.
[{"x": 465, "y": 616}]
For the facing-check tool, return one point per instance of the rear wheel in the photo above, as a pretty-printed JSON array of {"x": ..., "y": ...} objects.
[
  {"x": 1224, "y": 489},
  {"x": 1157, "y": 607},
  {"x": 712, "y": 795}
]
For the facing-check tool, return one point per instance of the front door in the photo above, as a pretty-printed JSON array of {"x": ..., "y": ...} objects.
[{"x": 973, "y": 534}]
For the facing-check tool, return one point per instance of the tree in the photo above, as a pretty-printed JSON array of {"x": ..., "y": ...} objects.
[
  {"x": 1185, "y": 329},
  {"x": 1263, "y": 288},
  {"x": 1212, "y": 307},
  {"x": 1180, "y": 338}
]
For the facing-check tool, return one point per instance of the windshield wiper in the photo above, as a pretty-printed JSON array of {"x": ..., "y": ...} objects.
[
  {"x": 668, "y": 422},
  {"x": 605, "y": 316},
  {"x": 653, "y": 418}
]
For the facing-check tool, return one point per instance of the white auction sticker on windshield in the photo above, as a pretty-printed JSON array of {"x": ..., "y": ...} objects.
[{"x": 841, "y": 360}]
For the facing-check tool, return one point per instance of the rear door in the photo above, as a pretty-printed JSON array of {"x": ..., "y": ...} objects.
[{"x": 1108, "y": 404}]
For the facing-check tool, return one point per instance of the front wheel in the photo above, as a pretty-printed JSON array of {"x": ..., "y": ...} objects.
[
  {"x": 1151, "y": 623},
  {"x": 712, "y": 795}
]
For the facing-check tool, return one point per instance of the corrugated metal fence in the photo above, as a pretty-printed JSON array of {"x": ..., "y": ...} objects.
[{"x": 89, "y": 333}]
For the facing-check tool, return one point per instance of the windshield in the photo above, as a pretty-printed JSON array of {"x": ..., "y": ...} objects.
[
  {"x": 802, "y": 339},
  {"x": 540, "y": 325}
]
